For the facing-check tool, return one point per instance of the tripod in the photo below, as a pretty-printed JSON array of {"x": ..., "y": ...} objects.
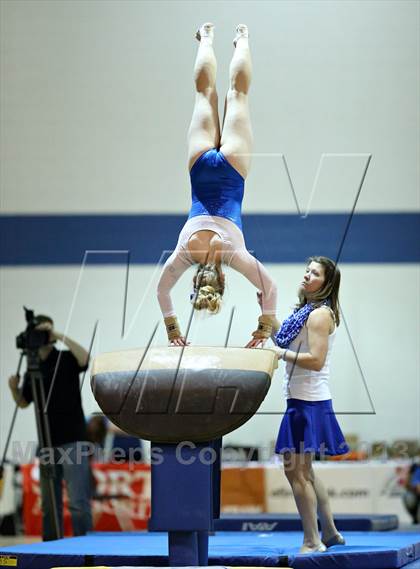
[{"x": 34, "y": 376}]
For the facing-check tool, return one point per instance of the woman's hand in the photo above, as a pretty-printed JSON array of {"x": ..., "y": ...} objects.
[
  {"x": 174, "y": 332},
  {"x": 179, "y": 341},
  {"x": 256, "y": 343},
  {"x": 279, "y": 351},
  {"x": 263, "y": 331}
]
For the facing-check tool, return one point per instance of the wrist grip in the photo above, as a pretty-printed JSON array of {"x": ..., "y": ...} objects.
[
  {"x": 265, "y": 327},
  {"x": 172, "y": 327}
]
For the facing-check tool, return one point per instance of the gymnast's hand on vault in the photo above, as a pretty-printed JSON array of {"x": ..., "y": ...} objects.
[
  {"x": 180, "y": 341},
  {"x": 256, "y": 343}
]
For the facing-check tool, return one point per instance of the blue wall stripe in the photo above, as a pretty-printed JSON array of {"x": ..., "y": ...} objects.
[{"x": 279, "y": 238}]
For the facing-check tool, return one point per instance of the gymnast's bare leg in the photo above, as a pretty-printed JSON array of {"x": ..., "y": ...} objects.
[
  {"x": 236, "y": 140},
  {"x": 204, "y": 131}
]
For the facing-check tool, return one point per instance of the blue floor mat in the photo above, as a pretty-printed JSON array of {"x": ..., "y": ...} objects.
[
  {"x": 291, "y": 522},
  {"x": 363, "y": 550}
]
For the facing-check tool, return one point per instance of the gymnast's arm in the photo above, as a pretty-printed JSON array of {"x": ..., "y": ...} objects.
[
  {"x": 276, "y": 323},
  {"x": 243, "y": 262},
  {"x": 319, "y": 325},
  {"x": 174, "y": 267}
]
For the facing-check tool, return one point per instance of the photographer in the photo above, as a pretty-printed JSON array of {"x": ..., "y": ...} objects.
[{"x": 60, "y": 371}]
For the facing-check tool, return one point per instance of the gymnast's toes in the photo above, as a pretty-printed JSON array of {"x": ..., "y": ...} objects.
[
  {"x": 205, "y": 31},
  {"x": 241, "y": 32}
]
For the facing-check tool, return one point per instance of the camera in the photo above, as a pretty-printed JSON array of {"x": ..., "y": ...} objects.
[{"x": 32, "y": 339}]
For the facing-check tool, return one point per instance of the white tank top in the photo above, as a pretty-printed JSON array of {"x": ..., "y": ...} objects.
[{"x": 306, "y": 384}]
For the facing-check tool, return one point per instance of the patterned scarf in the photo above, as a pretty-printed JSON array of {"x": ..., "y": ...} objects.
[{"x": 294, "y": 323}]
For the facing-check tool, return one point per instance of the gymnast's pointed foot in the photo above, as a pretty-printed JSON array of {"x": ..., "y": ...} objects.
[
  {"x": 205, "y": 31},
  {"x": 241, "y": 32},
  {"x": 320, "y": 548},
  {"x": 336, "y": 539}
]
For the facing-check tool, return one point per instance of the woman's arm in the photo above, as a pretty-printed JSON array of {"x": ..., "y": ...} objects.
[
  {"x": 243, "y": 262},
  {"x": 319, "y": 325},
  {"x": 174, "y": 267},
  {"x": 276, "y": 323}
]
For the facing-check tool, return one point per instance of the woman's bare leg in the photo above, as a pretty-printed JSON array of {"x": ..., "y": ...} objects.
[
  {"x": 204, "y": 131},
  {"x": 298, "y": 471},
  {"x": 324, "y": 510},
  {"x": 236, "y": 141}
]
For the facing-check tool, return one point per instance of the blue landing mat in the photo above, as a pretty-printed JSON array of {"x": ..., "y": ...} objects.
[
  {"x": 291, "y": 522},
  {"x": 363, "y": 550}
]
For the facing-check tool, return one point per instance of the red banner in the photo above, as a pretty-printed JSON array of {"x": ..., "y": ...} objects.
[{"x": 121, "y": 502}]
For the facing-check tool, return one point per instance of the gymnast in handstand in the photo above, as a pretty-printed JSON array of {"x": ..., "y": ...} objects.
[{"x": 219, "y": 162}]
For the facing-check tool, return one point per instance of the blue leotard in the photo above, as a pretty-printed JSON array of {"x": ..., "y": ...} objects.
[{"x": 217, "y": 188}]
